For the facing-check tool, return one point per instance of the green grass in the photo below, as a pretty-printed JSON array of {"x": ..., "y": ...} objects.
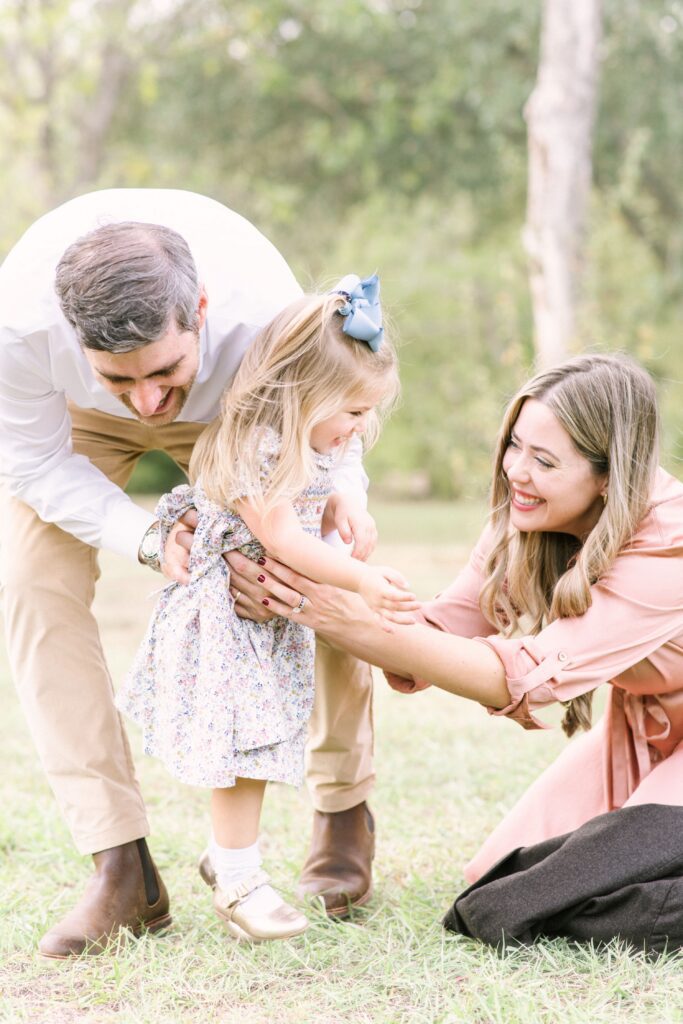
[{"x": 446, "y": 772}]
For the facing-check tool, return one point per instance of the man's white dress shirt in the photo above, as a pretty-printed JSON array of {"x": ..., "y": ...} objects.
[{"x": 42, "y": 366}]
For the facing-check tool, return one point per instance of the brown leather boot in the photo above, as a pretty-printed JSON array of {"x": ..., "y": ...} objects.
[
  {"x": 339, "y": 865},
  {"x": 126, "y": 891}
]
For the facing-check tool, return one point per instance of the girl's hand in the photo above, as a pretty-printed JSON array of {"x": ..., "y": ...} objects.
[
  {"x": 353, "y": 523},
  {"x": 386, "y": 591},
  {"x": 176, "y": 553}
]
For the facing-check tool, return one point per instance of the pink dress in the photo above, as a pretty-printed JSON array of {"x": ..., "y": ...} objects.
[{"x": 632, "y": 638}]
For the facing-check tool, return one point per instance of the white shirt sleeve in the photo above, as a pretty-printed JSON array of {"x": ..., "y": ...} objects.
[{"x": 38, "y": 464}]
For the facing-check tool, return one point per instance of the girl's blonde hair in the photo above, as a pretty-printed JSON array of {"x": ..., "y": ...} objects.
[
  {"x": 608, "y": 406},
  {"x": 297, "y": 372}
]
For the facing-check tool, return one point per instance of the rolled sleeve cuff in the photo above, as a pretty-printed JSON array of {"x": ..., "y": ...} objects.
[{"x": 528, "y": 671}]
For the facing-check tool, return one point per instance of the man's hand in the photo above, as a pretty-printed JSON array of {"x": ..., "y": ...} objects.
[
  {"x": 176, "y": 553},
  {"x": 353, "y": 523},
  {"x": 403, "y": 685}
]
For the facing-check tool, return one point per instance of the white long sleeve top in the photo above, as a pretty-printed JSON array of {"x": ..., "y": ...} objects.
[{"x": 43, "y": 368}]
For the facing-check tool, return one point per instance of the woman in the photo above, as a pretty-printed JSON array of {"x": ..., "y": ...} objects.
[{"x": 577, "y": 580}]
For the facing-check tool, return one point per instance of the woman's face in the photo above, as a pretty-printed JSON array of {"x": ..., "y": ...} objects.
[{"x": 552, "y": 486}]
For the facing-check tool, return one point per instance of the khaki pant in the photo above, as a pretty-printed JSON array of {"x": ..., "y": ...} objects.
[{"x": 48, "y": 580}]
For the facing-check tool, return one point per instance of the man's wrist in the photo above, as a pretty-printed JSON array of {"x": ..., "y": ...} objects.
[{"x": 149, "y": 552}]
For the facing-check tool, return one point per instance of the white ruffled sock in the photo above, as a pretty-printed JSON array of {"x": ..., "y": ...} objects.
[{"x": 232, "y": 866}]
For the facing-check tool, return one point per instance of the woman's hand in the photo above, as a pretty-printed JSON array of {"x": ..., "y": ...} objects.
[
  {"x": 176, "y": 553},
  {"x": 258, "y": 593},
  {"x": 266, "y": 588}
]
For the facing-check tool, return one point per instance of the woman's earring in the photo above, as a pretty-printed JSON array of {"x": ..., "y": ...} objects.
[{"x": 604, "y": 498}]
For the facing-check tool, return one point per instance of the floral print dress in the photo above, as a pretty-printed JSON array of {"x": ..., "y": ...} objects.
[{"x": 219, "y": 697}]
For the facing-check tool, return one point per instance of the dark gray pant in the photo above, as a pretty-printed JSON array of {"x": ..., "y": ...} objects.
[{"x": 619, "y": 875}]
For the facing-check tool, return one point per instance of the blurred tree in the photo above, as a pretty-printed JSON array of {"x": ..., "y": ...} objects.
[
  {"x": 370, "y": 134},
  {"x": 293, "y": 110},
  {"x": 299, "y": 110},
  {"x": 640, "y": 127},
  {"x": 66, "y": 65},
  {"x": 560, "y": 115}
]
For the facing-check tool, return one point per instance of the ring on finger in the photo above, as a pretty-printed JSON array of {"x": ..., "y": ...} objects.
[
  {"x": 237, "y": 596},
  {"x": 300, "y": 606}
]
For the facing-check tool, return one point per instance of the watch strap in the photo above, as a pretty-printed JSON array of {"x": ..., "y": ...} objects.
[{"x": 149, "y": 552}]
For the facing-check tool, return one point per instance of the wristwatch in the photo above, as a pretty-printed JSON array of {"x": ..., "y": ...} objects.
[{"x": 149, "y": 552}]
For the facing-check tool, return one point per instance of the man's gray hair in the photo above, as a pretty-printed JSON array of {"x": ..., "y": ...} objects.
[{"x": 122, "y": 286}]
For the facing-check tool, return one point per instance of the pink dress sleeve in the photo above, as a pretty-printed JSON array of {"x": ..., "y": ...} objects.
[{"x": 636, "y": 609}]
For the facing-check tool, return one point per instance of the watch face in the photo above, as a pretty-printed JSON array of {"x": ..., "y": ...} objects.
[{"x": 150, "y": 543}]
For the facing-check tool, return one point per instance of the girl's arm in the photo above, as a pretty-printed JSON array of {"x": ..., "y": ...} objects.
[{"x": 280, "y": 532}]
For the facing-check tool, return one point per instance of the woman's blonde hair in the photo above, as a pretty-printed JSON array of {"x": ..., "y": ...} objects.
[
  {"x": 297, "y": 372},
  {"x": 608, "y": 406}
]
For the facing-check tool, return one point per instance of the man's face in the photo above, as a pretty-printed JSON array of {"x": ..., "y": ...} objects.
[{"x": 154, "y": 381}]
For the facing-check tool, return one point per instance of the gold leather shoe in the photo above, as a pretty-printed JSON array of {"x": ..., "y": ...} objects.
[{"x": 245, "y": 924}]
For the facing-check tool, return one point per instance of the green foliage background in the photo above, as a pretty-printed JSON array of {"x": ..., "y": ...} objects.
[{"x": 372, "y": 135}]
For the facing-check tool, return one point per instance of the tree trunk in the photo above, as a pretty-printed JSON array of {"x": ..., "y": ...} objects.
[{"x": 560, "y": 114}]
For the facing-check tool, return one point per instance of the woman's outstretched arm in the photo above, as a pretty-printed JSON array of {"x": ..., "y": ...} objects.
[{"x": 456, "y": 664}]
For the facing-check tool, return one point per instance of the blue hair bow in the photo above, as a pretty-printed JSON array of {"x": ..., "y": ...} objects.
[{"x": 362, "y": 311}]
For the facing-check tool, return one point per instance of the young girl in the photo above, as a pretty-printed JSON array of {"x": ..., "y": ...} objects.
[{"x": 222, "y": 700}]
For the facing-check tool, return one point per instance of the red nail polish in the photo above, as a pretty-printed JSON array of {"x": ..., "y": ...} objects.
[
  {"x": 261, "y": 579},
  {"x": 265, "y": 601},
  {"x": 260, "y": 561}
]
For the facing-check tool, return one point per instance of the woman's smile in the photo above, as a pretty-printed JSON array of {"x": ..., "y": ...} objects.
[{"x": 525, "y": 502}]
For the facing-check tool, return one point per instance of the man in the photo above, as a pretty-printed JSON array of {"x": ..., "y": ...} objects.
[{"x": 123, "y": 315}]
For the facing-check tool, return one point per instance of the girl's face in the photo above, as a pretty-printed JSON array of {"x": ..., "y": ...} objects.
[
  {"x": 552, "y": 486},
  {"x": 335, "y": 431}
]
